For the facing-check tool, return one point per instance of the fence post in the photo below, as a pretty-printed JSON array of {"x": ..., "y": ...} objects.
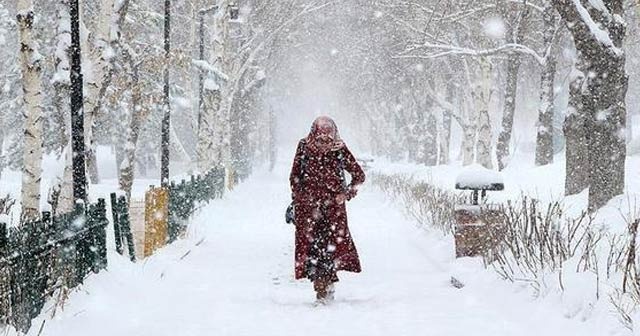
[
  {"x": 126, "y": 227},
  {"x": 116, "y": 223}
]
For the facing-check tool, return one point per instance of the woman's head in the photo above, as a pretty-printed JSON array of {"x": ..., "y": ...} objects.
[{"x": 324, "y": 135}]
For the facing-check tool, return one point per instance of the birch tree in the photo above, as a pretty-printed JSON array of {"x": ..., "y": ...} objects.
[
  {"x": 482, "y": 96},
  {"x": 62, "y": 84},
  {"x": 30, "y": 61},
  {"x": 213, "y": 136}
]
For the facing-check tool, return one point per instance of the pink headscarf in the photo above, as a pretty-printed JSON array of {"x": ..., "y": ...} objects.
[{"x": 324, "y": 129}]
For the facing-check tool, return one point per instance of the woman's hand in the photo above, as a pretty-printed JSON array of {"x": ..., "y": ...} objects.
[
  {"x": 341, "y": 198},
  {"x": 352, "y": 192}
]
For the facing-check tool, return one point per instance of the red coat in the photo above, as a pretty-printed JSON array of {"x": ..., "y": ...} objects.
[{"x": 319, "y": 186}]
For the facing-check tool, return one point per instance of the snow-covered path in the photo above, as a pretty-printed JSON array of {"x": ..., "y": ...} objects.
[{"x": 233, "y": 276}]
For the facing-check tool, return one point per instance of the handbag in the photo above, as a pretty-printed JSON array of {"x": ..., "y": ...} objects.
[{"x": 289, "y": 215}]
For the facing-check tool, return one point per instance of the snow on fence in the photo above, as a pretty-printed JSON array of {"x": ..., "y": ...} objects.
[
  {"x": 542, "y": 246},
  {"x": 40, "y": 257}
]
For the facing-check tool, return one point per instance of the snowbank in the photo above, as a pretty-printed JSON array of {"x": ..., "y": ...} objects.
[{"x": 477, "y": 177}]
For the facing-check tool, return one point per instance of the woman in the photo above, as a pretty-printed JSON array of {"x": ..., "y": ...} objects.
[{"x": 319, "y": 191}]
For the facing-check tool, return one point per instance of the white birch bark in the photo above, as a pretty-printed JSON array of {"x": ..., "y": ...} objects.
[
  {"x": 483, "y": 96},
  {"x": 208, "y": 152},
  {"x": 99, "y": 54},
  {"x": 30, "y": 62},
  {"x": 62, "y": 85},
  {"x": 221, "y": 149},
  {"x": 470, "y": 126},
  {"x": 139, "y": 113},
  {"x": 65, "y": 199},
  {"x": 61, "y": 78}
]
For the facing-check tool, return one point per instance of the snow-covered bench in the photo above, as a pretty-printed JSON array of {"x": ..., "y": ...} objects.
[{"x": 479, "y": 225}]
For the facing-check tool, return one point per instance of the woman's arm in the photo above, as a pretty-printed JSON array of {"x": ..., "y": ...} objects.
[
  {"x": 295, "y": 178},
  {"x": 357, "y": 174}
]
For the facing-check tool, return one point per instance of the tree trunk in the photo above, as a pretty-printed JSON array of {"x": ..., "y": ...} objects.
[
  {"x": 575, "y": 132},
  {"x": 206, "y": 113},
  {"x": 61, "y": 79},
  {"x": 30, "y": 61},
  {"x": 607, "y": 145},
  {"x": 65, "y": 203},
  {"x": 210, "y": 137},
  {"x": 62, "y": 85},
  {"x": 139, "y": 113},
  {"x": 469, "y": 121},
  {"x": 417, "y": 137},
  {"x": 483, "y": 95},
  {"x": 95, "y": 89},
  {"x": 445, "y": 138},
  {"x": 511, "y": 89},
  {"x": 504, "y": 139},
  {"x": 604, "y": 92},
  {"x": 431, "y": 141},
  {"x": 166, "y": 119},
  {"x": 78, "y": 145},
  {"x": 544, "y": 138},
  {"x": 469, "y": 131}
]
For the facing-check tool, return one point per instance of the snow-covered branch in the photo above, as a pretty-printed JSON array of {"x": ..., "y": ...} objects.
[{"x": 441, "y": 50}]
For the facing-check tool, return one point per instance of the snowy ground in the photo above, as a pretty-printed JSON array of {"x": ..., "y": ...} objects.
[{"x": 233, "y": 276}]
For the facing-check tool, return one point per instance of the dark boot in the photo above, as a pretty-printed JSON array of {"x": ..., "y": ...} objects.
[{"x": 320, "y": 286}]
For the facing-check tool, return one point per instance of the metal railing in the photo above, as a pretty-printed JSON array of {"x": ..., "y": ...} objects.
[
  {"x": 41, "y": 256},
  {"x": 184, "y": 198}
]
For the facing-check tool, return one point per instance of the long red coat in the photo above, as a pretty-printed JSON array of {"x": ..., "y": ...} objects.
[{"x": 317, "y": 186}]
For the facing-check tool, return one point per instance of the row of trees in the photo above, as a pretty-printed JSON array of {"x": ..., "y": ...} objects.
[
  {"x": 420, "y": 71},
  {"x": 414, "y": 77},
  {"x": 214, "y": 59},
  {"x": 537, "y": 30}
]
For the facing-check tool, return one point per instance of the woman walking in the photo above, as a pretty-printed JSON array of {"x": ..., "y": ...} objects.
[{"x": 319, "y": 190}]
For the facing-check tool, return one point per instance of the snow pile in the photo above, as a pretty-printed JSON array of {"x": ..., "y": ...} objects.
[{"x": 479, "y": 177}]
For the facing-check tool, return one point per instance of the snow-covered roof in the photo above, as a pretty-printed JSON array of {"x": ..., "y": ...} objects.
[{"x": 477, "y": 177}]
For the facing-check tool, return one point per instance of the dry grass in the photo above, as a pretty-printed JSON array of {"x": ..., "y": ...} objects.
[{"x": 430, "y": 206}]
